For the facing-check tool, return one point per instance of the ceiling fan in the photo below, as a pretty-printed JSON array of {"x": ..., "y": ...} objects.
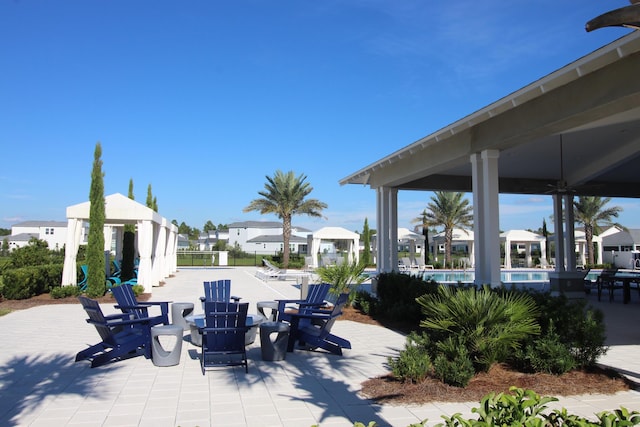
[{"x": 560, "y": 187}]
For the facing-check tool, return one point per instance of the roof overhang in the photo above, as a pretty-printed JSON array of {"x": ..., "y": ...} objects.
[{"x": 578, "y": 127}]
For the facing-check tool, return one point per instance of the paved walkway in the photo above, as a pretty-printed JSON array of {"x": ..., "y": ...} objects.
[{"x": 40, "y": 385}]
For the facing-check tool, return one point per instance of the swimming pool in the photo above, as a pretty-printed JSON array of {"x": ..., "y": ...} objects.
[{"x": 468, "y": 276}]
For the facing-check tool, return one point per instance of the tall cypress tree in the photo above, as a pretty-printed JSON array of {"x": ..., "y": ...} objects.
[
  {"x": 366, "y": 240},
  {"x": 95, "y": 246}
]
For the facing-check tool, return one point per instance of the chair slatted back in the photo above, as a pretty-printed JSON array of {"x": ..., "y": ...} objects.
[
  {"x": 225, "y": 327},
  {"x": 219, "y": 290},
  {"x": 97, "y": 319},
  {"x": 125, "y": 296}
]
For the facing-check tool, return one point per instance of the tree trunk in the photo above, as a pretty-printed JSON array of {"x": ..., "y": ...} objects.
[
  {"x": 588, "y": 235},
  {"x": 448, "y": 239},
  {"x": 286, "y": 237}
]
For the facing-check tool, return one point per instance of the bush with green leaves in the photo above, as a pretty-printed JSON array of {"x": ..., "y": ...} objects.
[
  {"x": 397, "y": 295},
  {"x": 413, "y": 363},
  {"x": 546, "y": 353},
  {"x": 491, "y": 325},
  {"x": 526, "y": 408},
  {"x": 366, "y": 303},
  {"x": 64, "y": 292},
  {"x": 27, "y": 282},
  {"x": 452, "y": 364},
  {"x": 580, "y": 327}
]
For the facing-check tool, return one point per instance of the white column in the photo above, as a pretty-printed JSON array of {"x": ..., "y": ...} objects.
[
  {"x": 559, "y": 232},
  {"x": 507, "y": 253},
  {"x": 393, "y": 226},
  {"x": 382, "y": 234},
  {"x": 387, "y": 220},
  {"x": 478, "y": 218},
  {"x": 145, "y": 247},
  {"x": 491, "y": 211}
]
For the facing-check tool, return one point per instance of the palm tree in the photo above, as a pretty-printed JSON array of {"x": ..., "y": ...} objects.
[
  {"x": 590, "y": 211},
  {"x": 284, "y": 195},
  {"x": 450, "y": 210}
]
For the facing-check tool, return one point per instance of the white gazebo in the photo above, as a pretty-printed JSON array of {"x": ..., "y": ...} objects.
[
  {"x": 521, "y": 237},
  {"x": 460, "y": 236},
  {"x": 334, "y": 234},
  {"x": 156, "y": 238}
]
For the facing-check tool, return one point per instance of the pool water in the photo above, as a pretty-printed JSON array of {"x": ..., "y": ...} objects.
[{"x": 469, "y": 276}]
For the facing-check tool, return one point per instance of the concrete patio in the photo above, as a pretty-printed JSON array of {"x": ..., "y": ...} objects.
[{"x": 40, "y": 385}]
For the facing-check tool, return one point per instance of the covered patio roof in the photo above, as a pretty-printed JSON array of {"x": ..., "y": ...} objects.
[{"x": 577, "y": 128}]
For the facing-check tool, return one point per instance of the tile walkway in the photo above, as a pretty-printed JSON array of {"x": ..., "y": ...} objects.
[{"x": 40, "y": 385}]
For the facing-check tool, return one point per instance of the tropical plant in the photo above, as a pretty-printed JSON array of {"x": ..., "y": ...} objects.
[
  {"x": 343, "y": 278},
  {"x": 449, "y": 210},
  {"x": 491, "y": 324},
  {"x": 592, "y": 213},
  {"x": 284, "y": 195},
  {"x": 95, "y": 244}
]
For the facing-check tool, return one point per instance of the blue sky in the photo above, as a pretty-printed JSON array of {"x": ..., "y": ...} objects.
[{"x": 202, "y": 99}]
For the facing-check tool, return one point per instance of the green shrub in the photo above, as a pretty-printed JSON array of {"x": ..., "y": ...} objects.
[
  {"x": 453, "y": 365},
  {"x": 137, "y": 289},
  {"x": 413, "y": 363},
  {"x": 579, "y": 326},
  {"x": 397, "y": 295},
  {"x": 490, "y": 324},
  {"x": 526, "y": 408},
  {"x": 27, "y": 282},
  {"x": 366, "y": 302},
  {"x": 547, "y": 354},
  {"x": 64, "y": 292}
]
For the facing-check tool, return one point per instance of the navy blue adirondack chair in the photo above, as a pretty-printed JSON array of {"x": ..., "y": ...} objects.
[
  {"x": 315, "y": 299},
  {"x": 312, "y": 328},
  {"x": 218, "y": 291},
  {"x": 121, "y": 336},
  {"x": 128, "y": 303},
  {"x": 223, "y": 335}
]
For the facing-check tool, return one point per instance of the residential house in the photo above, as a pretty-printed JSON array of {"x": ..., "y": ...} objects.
[
  {"x": 621, "y": 247},
  {"x": 265, "y": 237},
  {"x": 52, "y": 232}
]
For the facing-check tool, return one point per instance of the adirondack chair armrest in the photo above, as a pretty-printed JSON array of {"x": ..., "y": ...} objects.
[
  {"x": 143, "y": 308},
  {"x": 314, "y": 304},
  {"x": 122, "y": 322},
  {"x": 313, "y": 315},
  {"x": 116, "y": 317}
]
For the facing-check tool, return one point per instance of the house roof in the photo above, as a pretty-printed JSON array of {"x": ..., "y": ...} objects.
[
  {"x": 276, "y": 238},
  {"x": 263, "y": 224},
  {"x": 41, "y": 224}
]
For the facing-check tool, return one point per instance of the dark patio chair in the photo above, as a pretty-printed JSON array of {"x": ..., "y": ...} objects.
[
  {"x": 223, "y": 335},
  {"x": 315, "y": 299},
  {"x": 128, "y": 303},
  {"x": 121, "y": 336},
  {"x": 607, "y": 281},
  {"x": 312, "y": 328}
]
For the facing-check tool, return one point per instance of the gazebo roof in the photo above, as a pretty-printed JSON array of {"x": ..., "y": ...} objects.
[
  {"x": 521, "y": 236},
  {"x": 336, "y": 233},
  {"x": 118, "y": 209}
]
